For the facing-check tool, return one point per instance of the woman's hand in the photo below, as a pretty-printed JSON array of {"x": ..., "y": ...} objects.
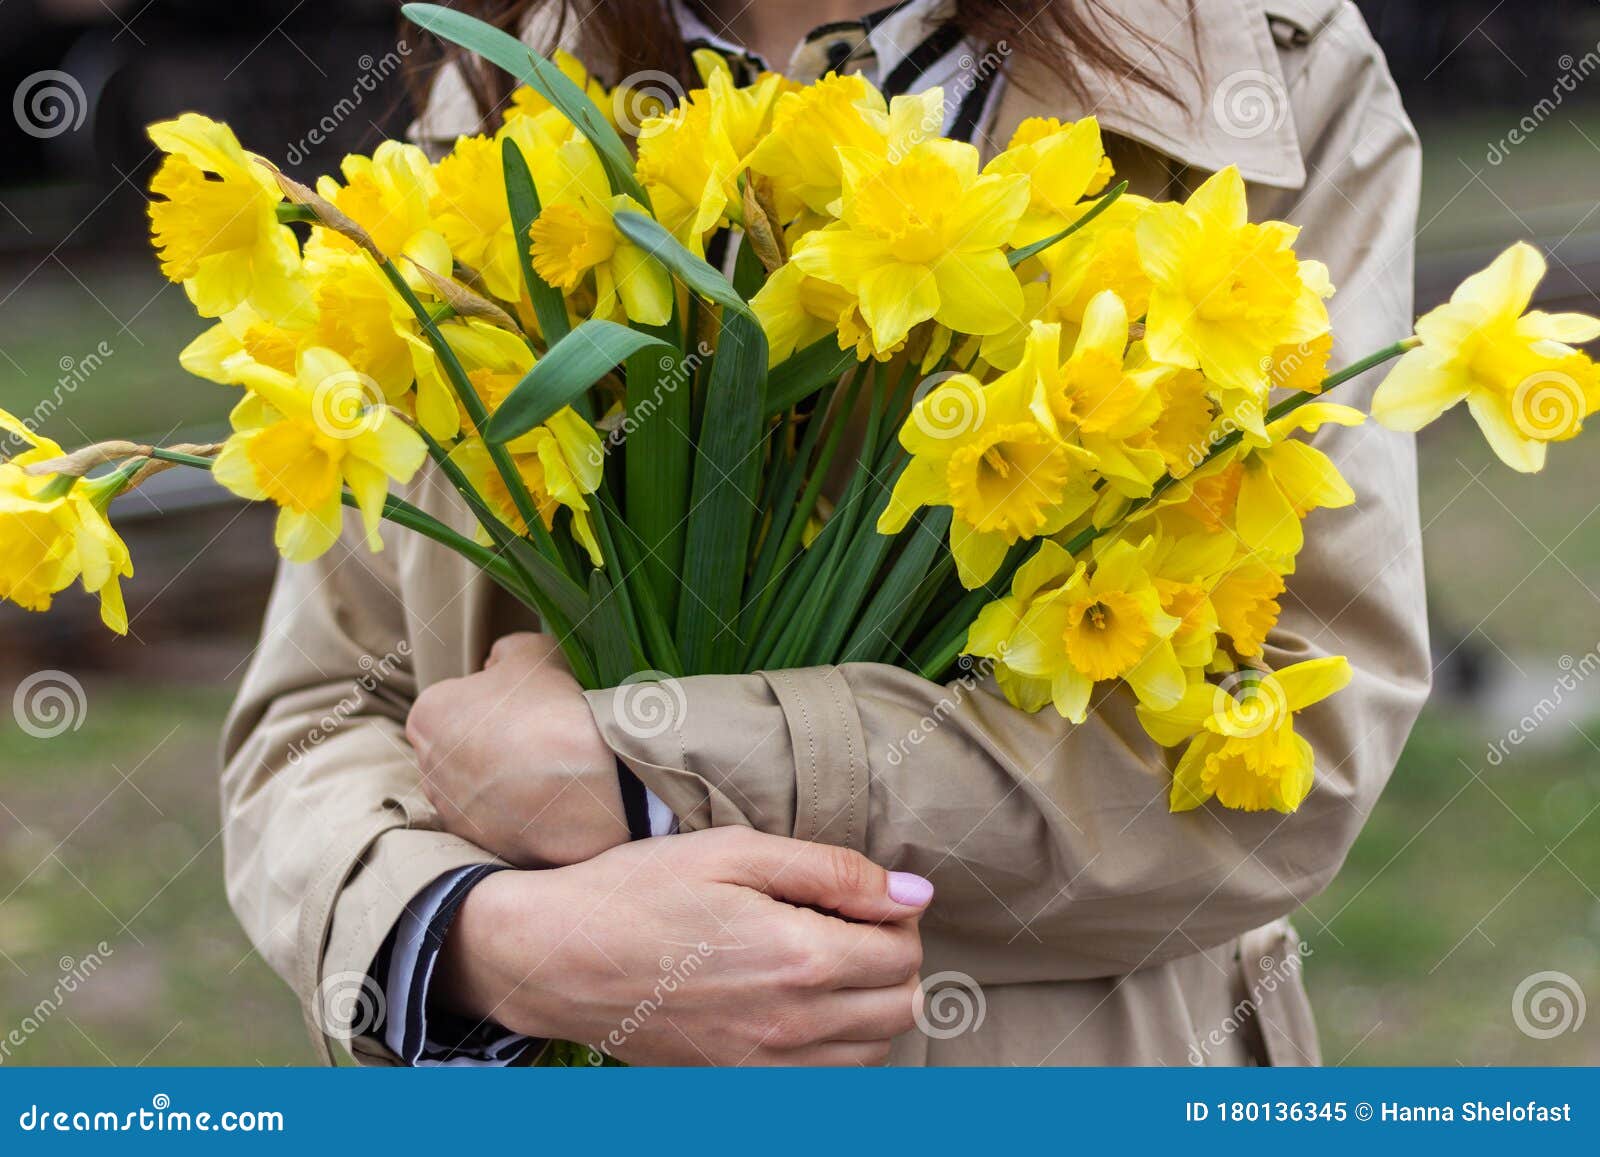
[
  {"x": 512, "y": 761},
  {"x": 703, "y": 948}
]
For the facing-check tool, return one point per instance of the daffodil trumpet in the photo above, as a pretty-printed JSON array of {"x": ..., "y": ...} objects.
[{"x": 944, "y": 405}]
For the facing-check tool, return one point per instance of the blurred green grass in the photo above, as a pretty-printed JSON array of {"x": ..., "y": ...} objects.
[{"x": 110, "y": 833}]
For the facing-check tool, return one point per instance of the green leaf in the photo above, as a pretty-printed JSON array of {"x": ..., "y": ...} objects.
[
  {"x": 896, "y": 595},
  {"x": 507, "y": 52},
  {"x": 567, "y": 369},
  {"x": 722, "y": 507},
  {"x": 1017, "y": 256},
  {"x": 658, "y": 464},
  {"x": 701, "y": 277},
  {"x": 615, "y": 656},
  {"x": 806, "y": 371},
  {"x": 523, "y": 200}
]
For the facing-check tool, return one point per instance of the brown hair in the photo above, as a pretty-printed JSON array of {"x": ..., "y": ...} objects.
[{"x": 620, "y": 37}]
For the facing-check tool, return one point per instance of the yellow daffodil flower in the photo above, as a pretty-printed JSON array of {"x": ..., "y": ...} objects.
[
  {"x": 54, "y": 532},
  {"x": 1245, "y": 751},
  {"x": 1225, "y": 293},
  {"x": 390, "y": 195},
  {"x": 241, "y": 335},
  {"x": 574, "y": 236},
  {"x": 470, "y": 207},
  {"x": 215, "y": 221},
  {"x": 559, "y": 462},
  {"x": 1064, "y": 163},
  {"x": 1079, "y": 623},
  {"x": 690, "y": 158},
  {"x": 796, "y": 309},
  {"x": 1518, "y": 372},
  {"x": 1100, "y": 394},
  {"x": 920, "y": 237},
  {"x": 1246, "y": 602},
  {"x": 980, "y": 451},
  {"x": 299, "y": 440},
  {"x": 1287, "y": 479},
  {"x": 800, "y": 155}
]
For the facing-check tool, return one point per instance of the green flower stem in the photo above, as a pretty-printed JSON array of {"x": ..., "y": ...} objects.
[
  {"x": 477, "y": 413},
  {"x": 952, "y": 644},
  {"x": 401, "y": 513}
]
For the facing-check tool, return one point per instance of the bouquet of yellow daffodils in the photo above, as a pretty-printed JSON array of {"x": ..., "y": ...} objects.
[{"x": 787, "y": 379}]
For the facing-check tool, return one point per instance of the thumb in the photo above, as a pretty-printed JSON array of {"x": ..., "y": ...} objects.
[{"x": 833, "y": 879}]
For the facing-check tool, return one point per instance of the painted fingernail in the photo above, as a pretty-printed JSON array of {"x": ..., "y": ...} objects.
[{"x": 909, "y": 889}]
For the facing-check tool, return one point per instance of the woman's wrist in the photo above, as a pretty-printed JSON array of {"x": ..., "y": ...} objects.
[{"x": 503, "y": 910}]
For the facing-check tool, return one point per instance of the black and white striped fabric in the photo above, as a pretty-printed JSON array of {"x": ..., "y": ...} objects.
[{"x": 905, "y": 48}]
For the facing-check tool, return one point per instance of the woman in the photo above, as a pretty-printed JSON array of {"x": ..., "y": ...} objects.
[{"x": 1086, "y": 923}]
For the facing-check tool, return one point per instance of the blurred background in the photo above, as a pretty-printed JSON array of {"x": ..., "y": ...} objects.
[{"x": 1478, "y": 872}]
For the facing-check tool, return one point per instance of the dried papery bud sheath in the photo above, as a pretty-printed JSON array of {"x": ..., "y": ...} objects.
[
  {"x": 465, "y": 302},
  {"x": 80, "y": 462},
  {"x": 764, "y": 240},
  {"x": 327, "y": 213}
]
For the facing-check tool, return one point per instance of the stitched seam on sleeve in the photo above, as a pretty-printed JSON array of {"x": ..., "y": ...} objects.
[
  {"x": 850, "y": 749},
  {"x": 811, "y": 748}
]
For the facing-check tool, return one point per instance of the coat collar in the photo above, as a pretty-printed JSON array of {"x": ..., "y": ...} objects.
[{"x": 1234, "y": 104}]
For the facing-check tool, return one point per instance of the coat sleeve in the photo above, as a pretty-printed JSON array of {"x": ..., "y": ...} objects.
[
  {"x": 1055, "y": 841},
  {"x": 326, "y": 838}
]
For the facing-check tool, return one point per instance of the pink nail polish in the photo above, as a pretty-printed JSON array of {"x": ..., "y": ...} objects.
[{"x": 909, "y": 889}]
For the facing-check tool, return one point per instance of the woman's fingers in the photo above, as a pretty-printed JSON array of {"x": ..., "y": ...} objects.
[{"x": 872, "y": 1014}]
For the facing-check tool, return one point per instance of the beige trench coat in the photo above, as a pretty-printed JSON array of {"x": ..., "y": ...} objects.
[{"x": 1101, "y": 928}]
